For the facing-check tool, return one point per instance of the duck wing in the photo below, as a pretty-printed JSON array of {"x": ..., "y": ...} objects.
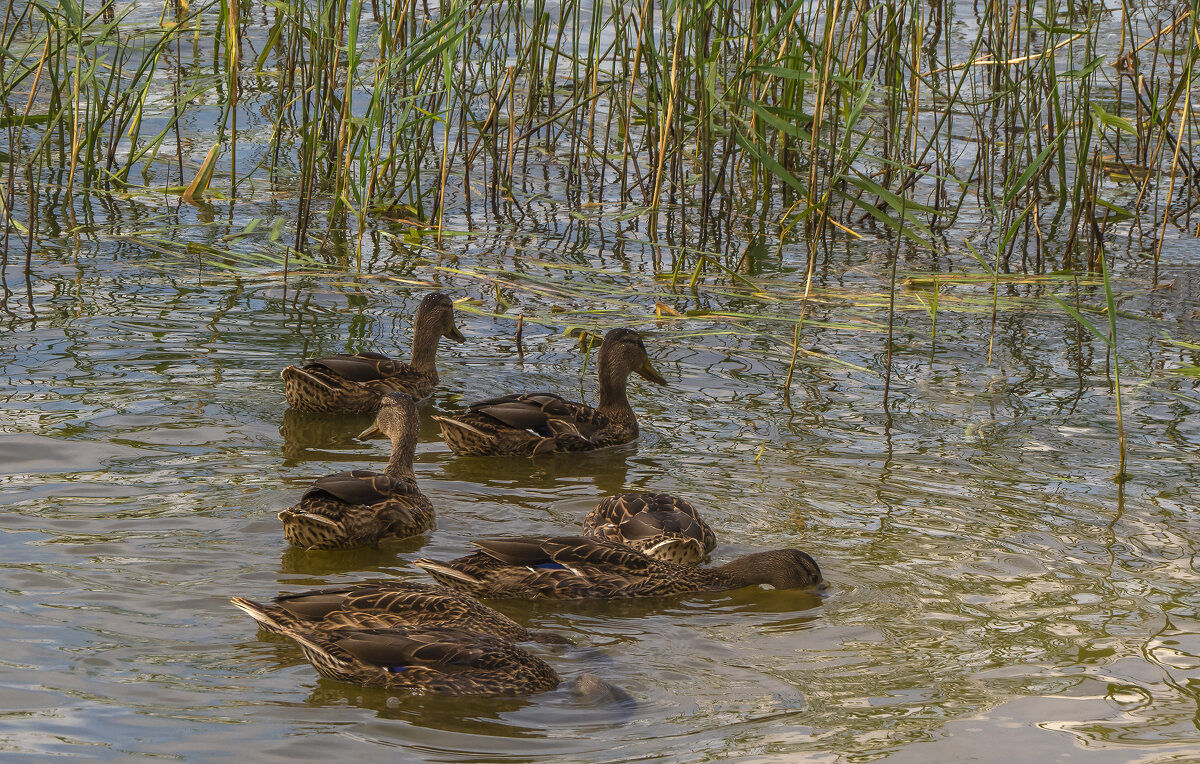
[
  {"x": 398, "y": 596},
  {"x": 315, "y": 604},
  {"x": 646, "y": 525},
  {"x": 356, "y": 487},
  {"x": 426, "y": 601},
  {"x": 444, "y": 649},
  {"x": 617, "y": 509},
  {"x": 529, "y": 411},
  {"x": 571, "y": 552},
  {"x": 364, "y": 367}
]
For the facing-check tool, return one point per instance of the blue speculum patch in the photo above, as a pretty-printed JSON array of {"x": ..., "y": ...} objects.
[{"x": 550, "y": 566}]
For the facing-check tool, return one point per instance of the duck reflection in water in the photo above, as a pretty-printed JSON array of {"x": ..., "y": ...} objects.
[
  {"x": 602, "y": 704},
  {"x": 309, "y": 436}
]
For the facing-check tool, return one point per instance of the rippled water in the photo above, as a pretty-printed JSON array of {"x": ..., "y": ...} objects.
[{"x": 991, "y": 589}]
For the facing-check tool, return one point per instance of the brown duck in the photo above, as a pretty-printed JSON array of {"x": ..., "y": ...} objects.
[
  {"x": 385, "y": 605},
  {"x": 419, "y": 637},
  {"x": 361, "y": 507},
  {"x": 655, "y": 524},
  {"x": 427, "y": 659},
  {"x": 576, "y": 567},
  {"x": 355, "y": 384},
  {"x": 542, "y": 423}
]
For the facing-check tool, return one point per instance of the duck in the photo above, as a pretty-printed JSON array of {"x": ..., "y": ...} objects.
[
  {"x": 385, "y": 605},
  {"x": 579, "y": 567},
  {"x": 531, "y": 424},
  {"x": 439, "y": 660},
  {"x": 656, "y": 524},
  {"x": 356, "y": 384},
  {"x": 361, "y": 507}
]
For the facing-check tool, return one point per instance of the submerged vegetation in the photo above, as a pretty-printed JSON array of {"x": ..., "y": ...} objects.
[{"x": 1002, "y": 141}]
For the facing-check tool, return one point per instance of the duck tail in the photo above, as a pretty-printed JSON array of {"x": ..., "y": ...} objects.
[
  {"x": 299, "y": 375},
  {"x": 445, "y": 573},
  {"x": 311, "y": 530},
  {"x": 260, "y": 613},
  {"x": 316, "y": 649},
  {"x": 445, "y": 420},
  {"x": 299, "y": 515},
  {"x": 686, "y": 551}
]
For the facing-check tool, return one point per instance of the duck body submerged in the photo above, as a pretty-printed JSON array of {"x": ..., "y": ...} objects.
[
  {"x": 578, "y": 567},
  {"x": 386, "y": 604},
  {"x": 426, "y": 659}
]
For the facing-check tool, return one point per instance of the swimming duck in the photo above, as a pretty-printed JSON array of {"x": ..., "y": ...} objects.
[
  {"x": 576, "y": 567},
  {"x": 361, "y": 507},
  {"x": 656, "y": 524},
  {"x": 355, "y": 384},
  {"x": 384, "y": 605},
  {"x": 543, "y": 423},
  {"x": 425, "y": 659},
  {"x": 421, "y": 637}
]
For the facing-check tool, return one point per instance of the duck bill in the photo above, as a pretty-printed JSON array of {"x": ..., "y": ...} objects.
[
  {"x": 371, "y": 432},
  {"x": 455, "y": 334},
  {"x": 648, "y": 372}
]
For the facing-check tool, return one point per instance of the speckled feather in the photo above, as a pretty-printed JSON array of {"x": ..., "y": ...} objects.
[
  {"x": 382, "y": 509},
  {"x": 426, "y": 659},
  {"x": 352, "y": 384},
  {"x": 529, "y": 424},
  {"x": 657, "y": 524},
  {"x": 575, "y": 567},
  {"x": 387, "y": 604}
]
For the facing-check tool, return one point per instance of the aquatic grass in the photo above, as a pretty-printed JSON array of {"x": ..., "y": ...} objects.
[
  {"x": 810, "y": 109},
  {"x": 708, "y": 138}
]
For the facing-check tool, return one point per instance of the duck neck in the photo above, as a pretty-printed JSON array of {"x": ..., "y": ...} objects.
[
  {"x": 614, "y": 399},
  {"x": 400, "y": 464},
  {"x": 734, "y": 575},
  {"x": 424, "y": 351}
]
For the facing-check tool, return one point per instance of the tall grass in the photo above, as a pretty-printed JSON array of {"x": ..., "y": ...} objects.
[
  {"x": 813, "y": 121},
  {"x": 712, "y": 127}
]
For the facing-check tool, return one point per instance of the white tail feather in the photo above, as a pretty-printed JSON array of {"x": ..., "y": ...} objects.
[
  {"x": 254, "y": 611},
  {"x": 433, "y": 567},
  {"x": 299, "y": 514},
  {"x": 674, "y": 543},
  {"x": 309, "y": 646},
  {"x": 445, "y": 420}
]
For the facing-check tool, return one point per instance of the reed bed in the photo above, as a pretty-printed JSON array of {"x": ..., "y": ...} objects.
[
  {"x": 803, "y": 122},
  {"x": 1011, "y": 138}
]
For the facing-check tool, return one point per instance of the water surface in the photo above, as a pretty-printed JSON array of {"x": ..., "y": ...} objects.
[
  {"x": 991, "y": 588},
  {"x": 993, "y": 594}
]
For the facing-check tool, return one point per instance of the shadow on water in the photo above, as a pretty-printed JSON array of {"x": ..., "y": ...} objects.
[
  {"x": 527, "y": 716},
  {"x": 309, "y": 436},
  {"x": 381, "y": 560},
  {"x": 605, "y": 622},
  {"x": 607, "y": 470}
]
